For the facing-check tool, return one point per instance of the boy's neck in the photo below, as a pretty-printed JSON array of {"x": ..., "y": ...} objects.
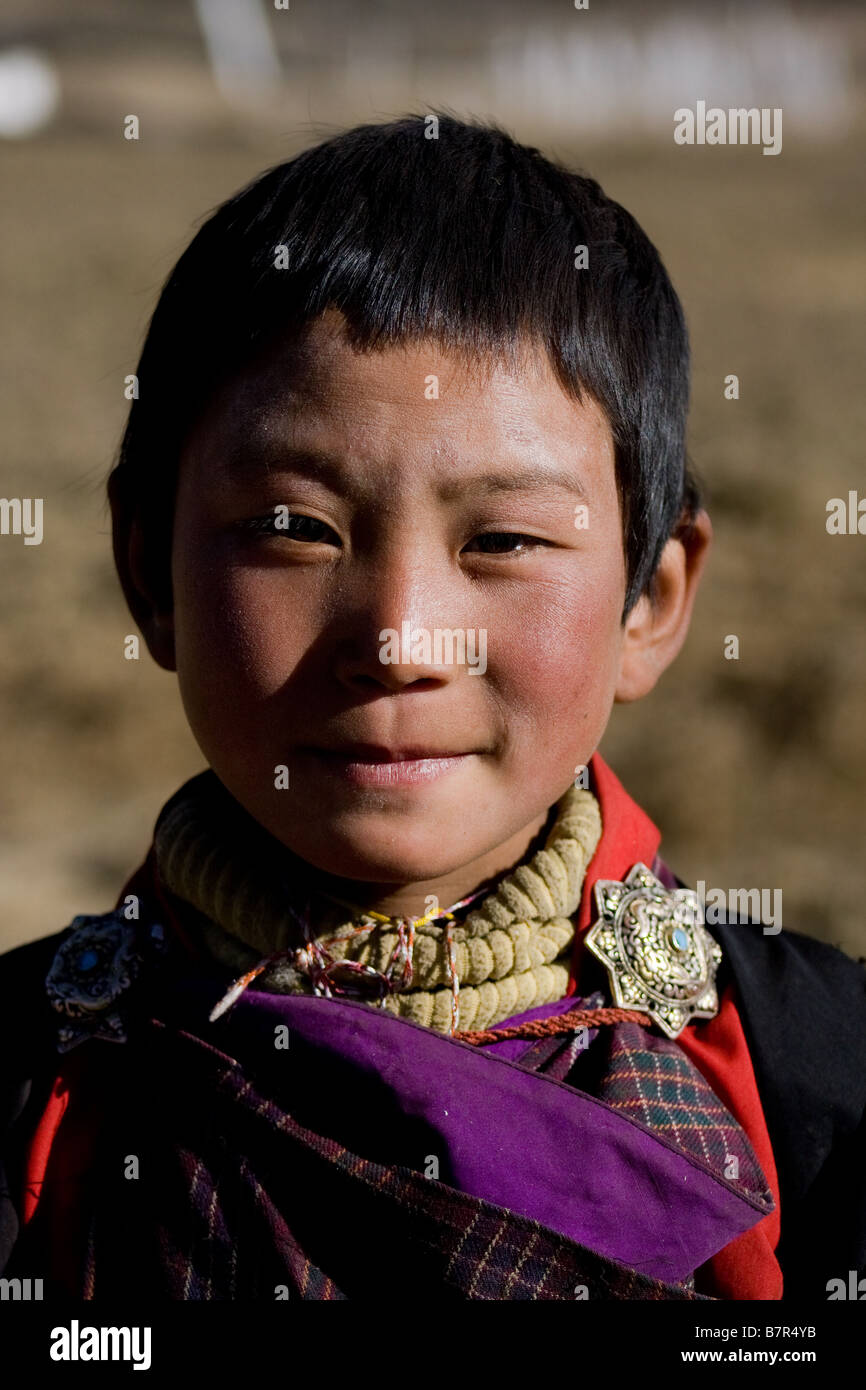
[{"x": 412, "y": 899}]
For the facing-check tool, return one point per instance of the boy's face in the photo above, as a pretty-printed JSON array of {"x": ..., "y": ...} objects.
[{"x": 399, "y": 771}]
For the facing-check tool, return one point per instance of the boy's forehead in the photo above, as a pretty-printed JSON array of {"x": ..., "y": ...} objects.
[
  {"x": 322, "y": 365},
  {"x": 318, "y": 389},
  {"x": 323, "y": 352}
]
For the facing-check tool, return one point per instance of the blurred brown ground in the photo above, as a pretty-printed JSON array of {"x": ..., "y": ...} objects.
[{"x": 754, "y": 769}]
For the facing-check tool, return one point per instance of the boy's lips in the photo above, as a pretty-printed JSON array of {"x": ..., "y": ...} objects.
[{"x": 372, "y": 765}]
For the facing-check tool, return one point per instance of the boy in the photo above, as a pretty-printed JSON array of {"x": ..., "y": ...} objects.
[{"x": 403, "y": 990}]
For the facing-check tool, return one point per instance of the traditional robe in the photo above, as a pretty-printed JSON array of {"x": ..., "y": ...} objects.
[{"x": 203, "y": 1161}]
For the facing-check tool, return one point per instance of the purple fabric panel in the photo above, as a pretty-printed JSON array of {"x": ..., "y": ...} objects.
[{"x": 519, "y": 1140}]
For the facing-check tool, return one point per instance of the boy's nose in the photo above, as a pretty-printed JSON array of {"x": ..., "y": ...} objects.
[
  {"x": 395, "y": 658},
  {"x": 395, "y": 636}
]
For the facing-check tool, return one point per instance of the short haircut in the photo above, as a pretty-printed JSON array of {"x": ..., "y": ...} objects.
[{"x": 429, "y": 227}]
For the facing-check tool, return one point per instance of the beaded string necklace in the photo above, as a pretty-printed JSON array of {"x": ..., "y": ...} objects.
[{"x": 322, "y": 969}]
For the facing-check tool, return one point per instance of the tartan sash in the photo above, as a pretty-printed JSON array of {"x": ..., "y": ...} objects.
[
  {"x": 200, "y": 1225},
  {"x": 236, "y": 1197},
  {"x": 648, "y": 1077}
]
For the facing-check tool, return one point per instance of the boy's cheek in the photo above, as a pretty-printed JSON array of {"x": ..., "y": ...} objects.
[
  {"x": 568, "y": 645},
  {"x": 241, "y": 626},
  {"x": 562, "y": 682}
]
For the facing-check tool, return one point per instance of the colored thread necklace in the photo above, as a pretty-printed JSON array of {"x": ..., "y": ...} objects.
[{"x": 332, "y": 976}]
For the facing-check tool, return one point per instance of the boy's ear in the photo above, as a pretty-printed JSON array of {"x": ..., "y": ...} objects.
[
  {"x": 144, "y": 577},
  {"x": 656, "y": 627}
]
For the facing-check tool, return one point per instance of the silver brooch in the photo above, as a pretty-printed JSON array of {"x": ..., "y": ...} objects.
[
  {"x": 660, "y": 958},
  {"x": 94, "y": 966}
]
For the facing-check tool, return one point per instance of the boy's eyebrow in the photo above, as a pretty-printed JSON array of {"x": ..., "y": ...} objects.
[
  {"x": 251, "y": 460},
  {"x": 523, "y": 480},
  {"x": 327, "y": 468}
]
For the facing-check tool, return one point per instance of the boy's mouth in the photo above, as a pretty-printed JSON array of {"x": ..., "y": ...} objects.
[{"x": 371, "y": 765}]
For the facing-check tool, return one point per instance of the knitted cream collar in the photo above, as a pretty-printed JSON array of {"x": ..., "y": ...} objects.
[{"x": 509, "y": 954}]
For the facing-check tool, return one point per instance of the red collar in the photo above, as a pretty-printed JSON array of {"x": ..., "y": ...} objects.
[{"x": 747, "y": 1268}]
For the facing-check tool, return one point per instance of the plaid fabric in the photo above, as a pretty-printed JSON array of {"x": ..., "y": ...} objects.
[
  {"x": 651, "y": 1079},
  {"x": 236, "y": 1199},
  {"x": 300, "y": 1216}
]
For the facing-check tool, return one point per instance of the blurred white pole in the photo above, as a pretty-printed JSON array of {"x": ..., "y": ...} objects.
[
  {"x": 29, "y": 92},
  {"x": 243, "y": 56}
]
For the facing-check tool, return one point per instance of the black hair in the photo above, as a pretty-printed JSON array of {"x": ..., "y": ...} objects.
[{"x": 429, "y": 226}]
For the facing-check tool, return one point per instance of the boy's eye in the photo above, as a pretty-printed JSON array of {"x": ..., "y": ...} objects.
[
  {"x": 503, "y": 542},
  {"x": 297, "y": 526}
]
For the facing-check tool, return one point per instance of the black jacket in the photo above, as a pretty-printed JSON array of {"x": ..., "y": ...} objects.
[{"x": 803, "y": 1008}]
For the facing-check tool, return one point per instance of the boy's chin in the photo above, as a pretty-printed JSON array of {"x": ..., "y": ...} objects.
[
  {"x": 385, "y": 849},
  {"x": 385, "y": 858},
  {"x": 385, "y": 836}
]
